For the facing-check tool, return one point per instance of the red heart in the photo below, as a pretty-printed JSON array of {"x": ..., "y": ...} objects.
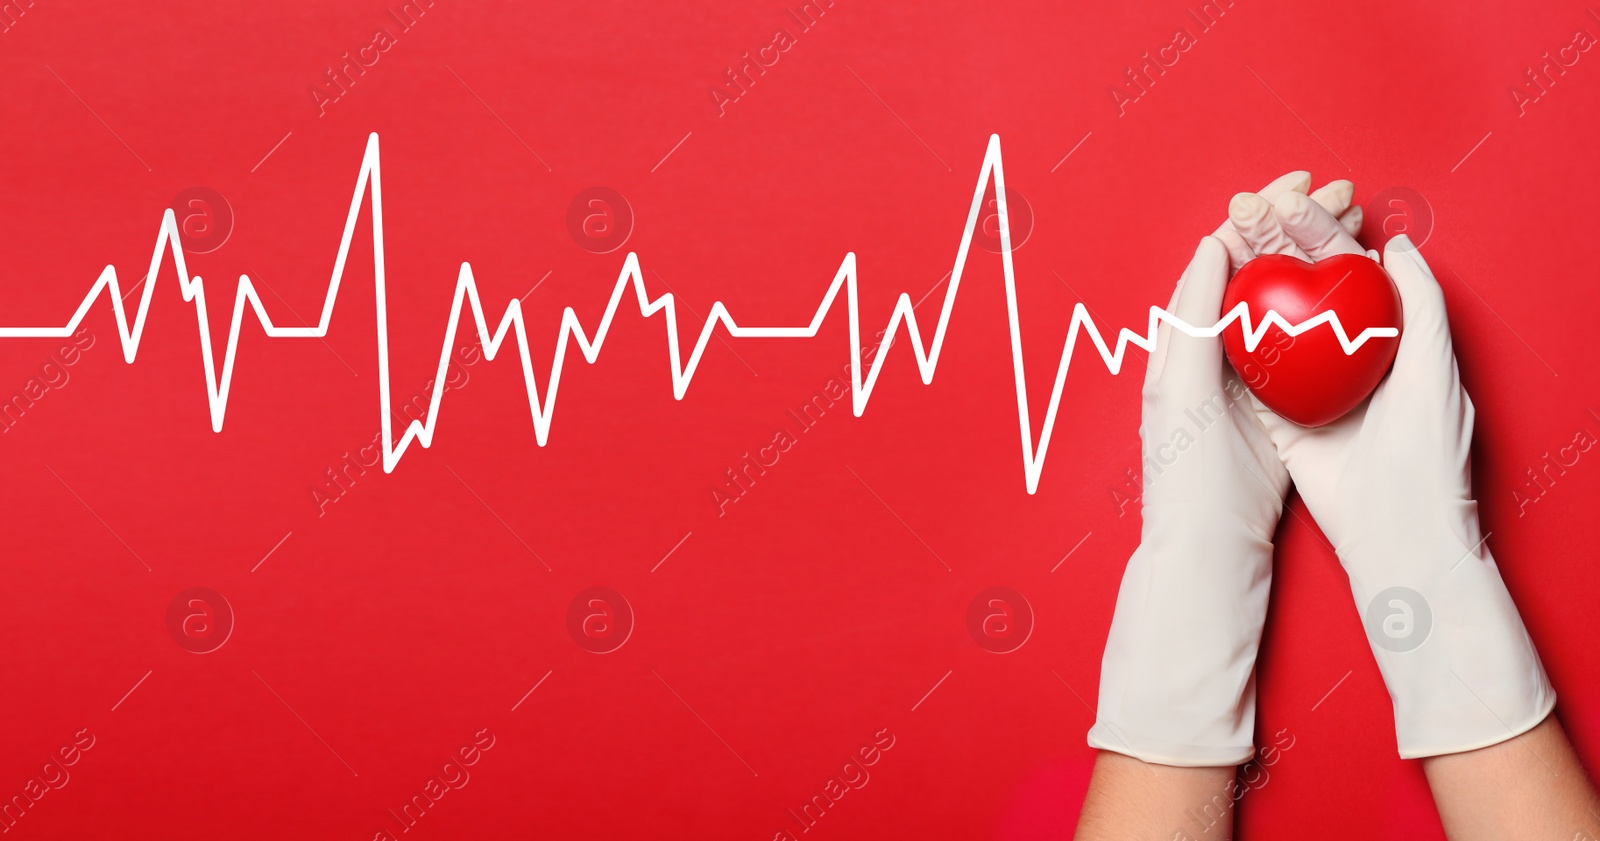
[{"x": 1308, "y": 378}]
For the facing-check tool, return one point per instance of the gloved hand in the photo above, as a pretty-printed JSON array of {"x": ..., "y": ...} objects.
[
  {"x": 1390, "y": 485},
  {"x": 1177, "y": 681}
]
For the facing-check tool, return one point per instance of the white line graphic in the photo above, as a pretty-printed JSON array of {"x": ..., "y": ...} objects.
[{"x": 542, "y": 410}]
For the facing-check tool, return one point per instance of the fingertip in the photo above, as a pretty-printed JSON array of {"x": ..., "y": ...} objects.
[
  {"x": 1212, "y": 249},
  {"x": 1404, "y": 252},
  {"x": 1248, "y": 209},
  {"x": 1198, "y": 298},
  {"x": 1298, "y": 181},
  {"x": 1210, "y": 257},
  {"x": 1258, "y": 223},
  {"x": 1335, "y": 195},
  {"x": 1351, "y": 220},
  {"x": 1418, "y": 287},
  {"x": 1399, "y": 243}
]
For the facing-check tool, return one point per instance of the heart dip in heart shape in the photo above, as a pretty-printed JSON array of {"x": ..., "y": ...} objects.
[{"x": 1309, "y": 379}]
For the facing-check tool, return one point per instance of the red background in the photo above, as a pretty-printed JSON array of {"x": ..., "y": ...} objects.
[{"x": 779, "y": 638}]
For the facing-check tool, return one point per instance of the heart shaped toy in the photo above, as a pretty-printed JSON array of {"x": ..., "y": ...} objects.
[{"x": 1309, "y": 379}]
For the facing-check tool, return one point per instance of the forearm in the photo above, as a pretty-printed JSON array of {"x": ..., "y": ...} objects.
[
  {"x": 1131, "y": 799},
  {"x": 1529, "y": 787}
]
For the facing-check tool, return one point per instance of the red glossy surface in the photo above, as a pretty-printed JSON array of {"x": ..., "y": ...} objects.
[{"x": 1309, "y": 378}]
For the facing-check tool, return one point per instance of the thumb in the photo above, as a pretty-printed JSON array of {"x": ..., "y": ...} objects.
[
  {"x": 1198, "y": 303},
  {"x": 1425, "y": 353},
  {"x": 1421, "y": 405}
]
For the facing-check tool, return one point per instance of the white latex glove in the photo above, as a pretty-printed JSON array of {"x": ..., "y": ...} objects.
[
  {"x": 1391, "y": 486},
  {"x": 1177, "y": 682},
  {"x": 1334, "y": 197}
]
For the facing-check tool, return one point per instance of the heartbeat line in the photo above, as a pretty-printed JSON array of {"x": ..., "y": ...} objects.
[{"x": 370, "y": 179}]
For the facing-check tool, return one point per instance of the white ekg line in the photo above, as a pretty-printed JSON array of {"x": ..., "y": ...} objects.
[{"x": 466, "y": 289}]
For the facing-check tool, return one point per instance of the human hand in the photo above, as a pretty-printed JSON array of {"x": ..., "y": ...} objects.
[
  {"x": 1390, "y": 485},
  {"x": 1177, "y": 681},
  {"x": 1335, "y": 197}
]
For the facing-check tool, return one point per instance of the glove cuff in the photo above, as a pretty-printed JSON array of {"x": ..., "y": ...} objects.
[
  {"x": 1460, "y": 667},
  {"x": 1159, "y": 751}
]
